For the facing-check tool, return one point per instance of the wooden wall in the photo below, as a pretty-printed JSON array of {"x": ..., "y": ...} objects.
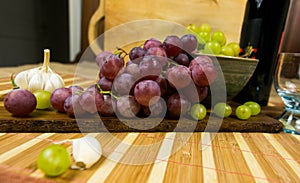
[{"x": 224, "y": 15}]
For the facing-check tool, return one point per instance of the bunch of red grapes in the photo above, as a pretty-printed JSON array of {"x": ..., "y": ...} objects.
[{"x": 161, "y": 78}]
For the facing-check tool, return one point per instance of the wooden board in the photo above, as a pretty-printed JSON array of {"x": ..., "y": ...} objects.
[
  {"x": 202, "y": 157},
  {"x": 52, "y": 121}
]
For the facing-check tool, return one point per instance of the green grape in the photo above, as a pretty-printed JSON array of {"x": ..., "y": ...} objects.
[
  {"x": 203, "y": 37},
  {"x": 191, "y": 29},
  {"x": 204, "y": 28},
  {"x": 243, "y": 112},
  {"x": 213, "y": 47},
  {"x": 235, "y": 47},
  {"x": 198, "y": 111},
  {"x": 219, "y": 37},
  {"x": 228, "y": 51},
  {"x": 54, "y": 160},
  {"x": 255, "y": 107},
  {"x": 222, "y": 109},
  {"x": 42, "y": 98}
]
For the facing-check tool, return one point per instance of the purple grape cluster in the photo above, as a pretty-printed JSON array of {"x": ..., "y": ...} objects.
[{"x": 161, "y": 78}]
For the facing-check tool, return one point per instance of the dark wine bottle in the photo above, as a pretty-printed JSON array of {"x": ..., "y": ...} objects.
[{"x": 262, "y": 29}]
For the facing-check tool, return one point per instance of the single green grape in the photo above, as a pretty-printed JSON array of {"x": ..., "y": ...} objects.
[
  {"x": 243, "y": 112},
  {"x": 54, "y": 160},
  {"x": 204, "y": 28},
  {"x": 213, "y": 47},
  {"x": 191, "y": 29},
  {"x": 219, "y": 37},
  {"x": 222, "y": 109},
  {"x": 255, "y": 107},
  {"x": 235, "y": 47},
  {"x": 42, "y": 98},
  {"x": 198, "y": 111},
  {"x": 203, "y": 37},
  {"x": 228, "y": 51}
]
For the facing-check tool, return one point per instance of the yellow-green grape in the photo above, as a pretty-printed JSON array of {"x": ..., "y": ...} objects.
[
  {"x": 54, "y": 160},
  {"x": 254, "y": 106},
  {"x": 204, "y": 28},
  {"x": 42, "y": 98},
  {"x": 235, "y": 47},
  {"x": 219, "y": 37},
  {"x": 198, "y": 111},
  {"x": 203, "y": 37},
  {"x": 226, "y": 50},
  {"x": 213, "y": 47},
  {"x": 222, "y": 109},
  {"x": 191, "y": 29},
  {"x": 243, "y": 112}
]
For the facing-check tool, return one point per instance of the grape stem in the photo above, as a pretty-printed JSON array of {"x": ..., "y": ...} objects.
[
  {"x": 120, "y": 51},
  {"x": 106, "y": 92},
  {"x": 12, "y": 79}
]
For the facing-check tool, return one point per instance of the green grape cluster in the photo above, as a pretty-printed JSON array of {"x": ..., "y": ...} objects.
[
  {"x": 213, "y": 42},
  {"x": 243, "y": 112},
  {"x": 224, "y": 110}
]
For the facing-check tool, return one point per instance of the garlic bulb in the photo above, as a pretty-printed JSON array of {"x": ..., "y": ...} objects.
[
  {"x": 86, "y": 151},
  {"x": 40, "y": 78}
]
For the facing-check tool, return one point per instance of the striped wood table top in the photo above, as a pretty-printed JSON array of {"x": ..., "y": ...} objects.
[{"x": 162, "y": 157}]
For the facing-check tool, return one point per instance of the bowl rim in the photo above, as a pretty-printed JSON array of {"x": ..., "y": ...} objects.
[{"x": 229, "y": 57}]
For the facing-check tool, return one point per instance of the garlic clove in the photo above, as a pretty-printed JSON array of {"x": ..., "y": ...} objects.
[
  {"x": 86, "y": 152},
  {"x": 35, "y": 83},
  {"x": 21, "y": 80},
  {"x": 57, "y": 80}
]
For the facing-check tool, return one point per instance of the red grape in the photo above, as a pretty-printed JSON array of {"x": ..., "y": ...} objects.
[
  {"x": 58, "y": 98},
  {"x": 194, "y": 93},
  {"x": 182, "y": 59},
  {"x": 136, "y": 54},
  {"x": 146, "y": 91},
  {"x": 127, "y": 106},
  {"x": 72, "y": 106},
  {"x": 172, "y": 45},
  {"x": 112, "y": 66},
  {"x": 105, "y": 84},
  {"x": 177, "y": 105},
  {"x": 133, "y": 69},
  {"x": 107, "y": 108},
  {"x": 204, "y": 74},
  {"x": 76, "y": 89},
  {"x": 123, "y": 84},
  {"x": 159, "y": 54},
  {"x": 163, "y": 84},
  {"x": 101, "y": 57},
  {"x": 90, "y": 101},
  {"x": 189, "y": 42},
  {"x": 152, "y": 43},
  {"x": 150, "y": 66},
  {"x": 156, "y": 110},
  {"x": 20, "y": 102},
  {"x": 179, "y": 76},
  {"x": 200, "y": 60}
]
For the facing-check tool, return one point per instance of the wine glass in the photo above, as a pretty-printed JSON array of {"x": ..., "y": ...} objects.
[{"x": 287, "y": 85}]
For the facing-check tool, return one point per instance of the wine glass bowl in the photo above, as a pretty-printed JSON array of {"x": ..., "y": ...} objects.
[{"x": 287, "y": 85}]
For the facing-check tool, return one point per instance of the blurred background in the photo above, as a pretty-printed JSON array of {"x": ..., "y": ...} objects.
[{"x": 27, "y": 27}]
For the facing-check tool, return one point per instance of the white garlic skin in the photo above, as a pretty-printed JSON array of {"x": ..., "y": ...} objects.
[
  {"x": 40, "y": 78},
  {"x": 86, "y": 150}
]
